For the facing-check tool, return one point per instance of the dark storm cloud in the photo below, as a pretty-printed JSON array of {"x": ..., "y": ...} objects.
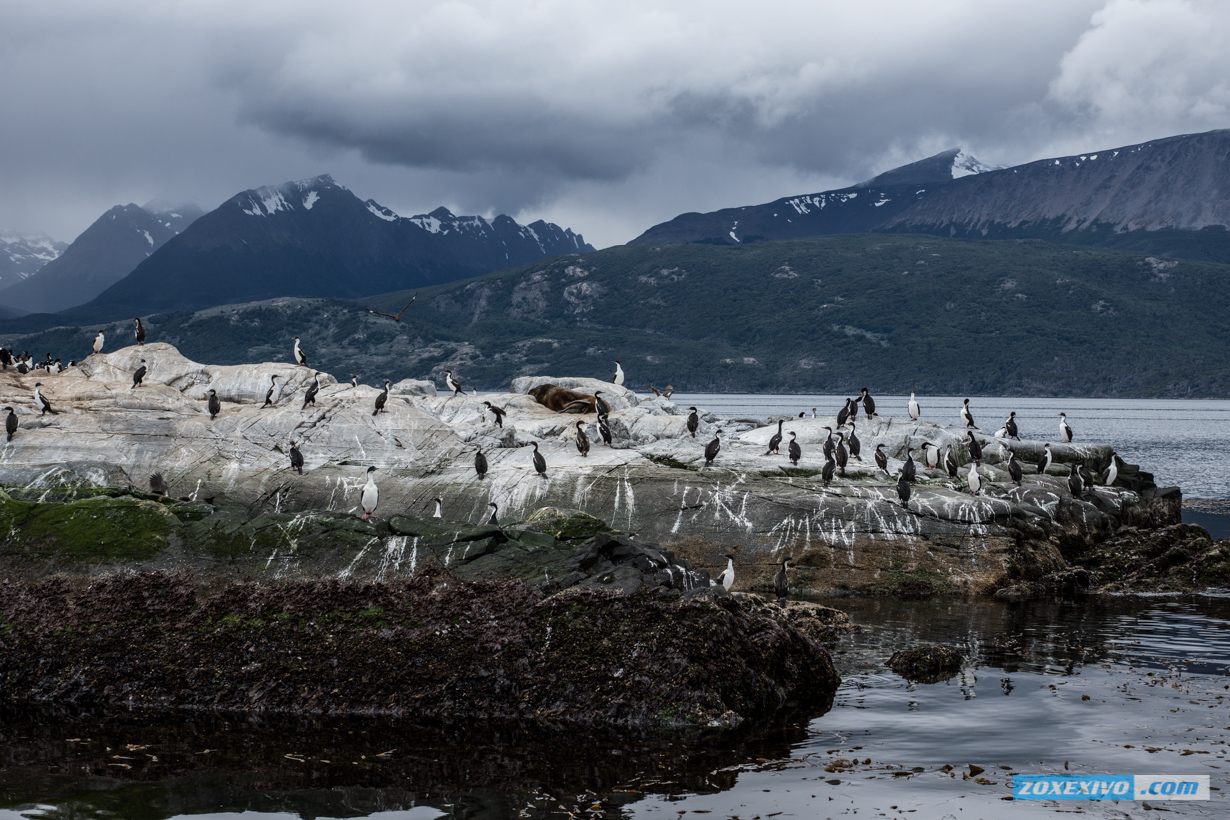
[{"x": 603, "y": 116}]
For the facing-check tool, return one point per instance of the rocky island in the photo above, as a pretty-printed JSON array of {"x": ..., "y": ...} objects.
[{"x": 252, "y": 587}]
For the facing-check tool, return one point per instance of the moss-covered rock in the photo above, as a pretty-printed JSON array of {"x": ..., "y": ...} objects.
[
  {"x": 565, "y": 524},
  {"x": 1175, "y": 558},
  {"x": 926, "y": 664},
  {"x": 92, "y": 530}
]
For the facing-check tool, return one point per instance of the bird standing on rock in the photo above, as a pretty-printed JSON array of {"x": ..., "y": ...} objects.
[
  {"x": 582, "y": 439},
  {"x": 908, "y": 469},
  {"x": 439, "y": 513},
  {"x": 869, "y": 404},
  {"x": 1074, "y": 481},
  {"x": 1112, "y": 472},
  {"x": 273, "y": 384},
  {"x": 601, "y": 406},
  {"x": 98, "y": 342},
  {"x": 975, "y": 480},
  {"x": 140, "y": 331},
  {"x": 1014, "y": 469},
  {"x": 781, "y": 584},
  {"x": 829, "y": 466},
  {"x": 540, "y": 463},
  {"x": 618, "y": 378},
  {"x": 1065, "y": 432},
  {"x": 10, "y": 423},
  {"x": 855, "y": 446},
  {"x": 138, "y": 376},
  {"x": 693, "y": 421},
  {"x": 1086, "y": 477},
  {"x": 840, "y": 453},
  {"x": 1047, "y": 458},
  {"x": 453, "y": 384},
  {"x": 498, "y": 412},
  {"x": 975, "y": 449},
  {"x": 903, "y": 489},
  {"x": 881, "y": 458},
  {"x": 296, "y": 459},
  {"x": 309, "y": 397},
  {"x": 931, "y": 454},
  {"x": 950, "y": 463},
  {"x": 829, "y": 445},
  {"x": 371, "y": 495},
  {"x": 300, "y": 356},
  {"x": 727, "y": 578},
  {"x": 712, "y": 449},
  {"x": 776, "y": 441},
  {"x": 793, "y": 450},
  {"x": 480, "y": 463},
  {"x": 40, "y": 401},
  {"x": 214, "y": 405},
  {"x": 495, "y": 508},
  {"x": 1010, "y": 426},
  {"x": 843, "y": 414},
  {"x": 604, "y": 429},
  {"x": 914, "y": 409},
  {"x": 382, "y": 398},
  {"x": 967, "y": 418}
]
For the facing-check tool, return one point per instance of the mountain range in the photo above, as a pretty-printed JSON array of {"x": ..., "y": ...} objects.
[
  {"x": 23, "y": 256},
  {"x": 104, "y": 253},
  {"x": 1166, "y": 197},
  {"x": 896, "y": 312}
]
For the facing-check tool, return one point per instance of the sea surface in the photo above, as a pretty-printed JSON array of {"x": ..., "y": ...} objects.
[
  {"x": 1109, "y": 685},
  {"x": 1184, "y": 443}
]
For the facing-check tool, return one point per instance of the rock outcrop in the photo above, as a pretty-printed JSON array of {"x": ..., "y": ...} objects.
[{"x": 651, "y": 482}]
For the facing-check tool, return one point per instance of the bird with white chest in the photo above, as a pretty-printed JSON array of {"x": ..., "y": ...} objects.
[
  {"x": 370, "y": 498},
  {"x": 618, "y": 379},
  {"x": 1065, "y": 432},
  {"x": 727, "y": 578}
]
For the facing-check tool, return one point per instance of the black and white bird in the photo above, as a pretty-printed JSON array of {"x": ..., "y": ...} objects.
[
  {"x": 1010, "y": 426},
  {"x": 967, "y": 418},
  {"x": 495, "y": 508},
  {"x": 881, "y": 458},
  {"x": 693, "y": 421},
  {"x": 975, "y": 480},
  {"x": 140, "y": 331},
  {"x": 903, "y": 489},
  {"x": 950, "y": 463},
  {"x": 540, "y": 463},
  {"x": 98, "y": 342},
  {"x": 370, "y": 498},
  {"x": 727, "y": 578},
  {"x": 438, "y": 513},
  {"x": 829, "y": 468},
  {"x": 604, "y": 429},
  {"x": 781, "y": 584},
  {"x": 908, "y": 469},
  {"x": 309, "y": 396},
  {"x": 40, "y": 401},
  {"x": 840, "y": 454},
  {"x": 793, "y": 449},
  {"x": 1065, "y": 432},
  {"x": 382, "y": 398},
  {"x": 813, "y": 412},
  {"x": 618, "y": 378},
  {"x": 354, "y": 380},
  {"x": 913, "y": 408},
  {"x": 975, "y": 449},
  {"x": 480, "y": 463},
  {"x": 138, "y": 376},
  {"x": 158, "y": 485},
  {"x": 843, "y": 414},
  {"x": 775, "y": 442},
  {"x": 582, "y": 439},
  {"x": 869, "y": 404},
  {"x": 10, "y": 423},
  {"x": 498, "y": 412},
  {"x": 1074, "y": 481},
  {"x": 452, "y": 383},
  {"x": 273, "y": 385},
  {"x": 829, "y": 445},
  {"x": 712, "y": 449},
  {"x": 931, "y": 455},
  {"x": 1047, "y": 458},
  {"x": 1112, "y": 471},
  {"x": 1086, "y": 477},
  {"x": 6, "y": 358},
  {"x": 300, "y": 356},
  {"x": 214, "y": 405},
  {"x": 855, "y": 446},
  {"x": 601, "y": 406},
  {"x": 296, "y": 458},
  {"x": 1014, "y": 469}
]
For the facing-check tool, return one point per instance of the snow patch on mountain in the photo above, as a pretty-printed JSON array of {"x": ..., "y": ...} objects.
[{"x": 964, "y": 165}]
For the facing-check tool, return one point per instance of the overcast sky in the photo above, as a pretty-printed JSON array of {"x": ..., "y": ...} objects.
[{"x": 605, "y": 117}]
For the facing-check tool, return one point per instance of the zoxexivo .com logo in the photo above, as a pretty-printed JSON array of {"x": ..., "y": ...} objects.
[{"x": 1110, "y": 787}]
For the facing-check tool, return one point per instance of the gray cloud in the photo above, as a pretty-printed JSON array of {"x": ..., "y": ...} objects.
[{"x": 603, "y": 117}]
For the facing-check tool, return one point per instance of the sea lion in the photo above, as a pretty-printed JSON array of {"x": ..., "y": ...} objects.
[{"x": 561, "y": 399}]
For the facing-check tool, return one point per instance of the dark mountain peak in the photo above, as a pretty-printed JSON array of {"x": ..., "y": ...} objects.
[
  {"x": 942, "y": 167},
  {"x": 297, "y": 195},
  {"x": 442, "y": 213}
]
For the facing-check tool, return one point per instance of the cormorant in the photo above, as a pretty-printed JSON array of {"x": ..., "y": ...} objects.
[
  {"x": 618, "y": 379},
  {"x": 882, "y": 459},
  {"x": 604, "y": 429},
  {"x": 840, "y": 453},
  {"x": 1065, "y": 432},
  {"x": 582, "y": 439},
  {"x": 950, "y": 463},
  {"x": 843, "y": 414},
  {"x": 908, "y": 469},
  {"x": 1086, "y": 478},
  {"x": 214, "y": 405},
  {"x": 98, "y": 342},
  {"x": 495, "y": 508},
  {"x": 395, "y": 317},
  {"x": 480, "y": 463},
  {"x": 452, "y": 383},
  {"x": 931, "y": 454},
  {"x": 1014, "y": 469},
  {"x": 869, "y": 404},
  {"x": 10, "y": 424},
  {"x": 300, "y": 356},
  {"x": 727, "y": 578},
  {"x": 781, "y": 585},
  {"x": 975, "y": 449},
  {"x": 966, "y": 416},
  {"x": 273, "y": 383},
  {"x": 854, "y": 444},
  {"x": 975, "y": 480},
  {"x": 158, "y": 485},
  {"x": 829, "y": 466},
  {"x": 776, "y": 441},
  {"x": 1074, "y": 481},
  {"x": 540, "y": 463},
  {"x": 309, "y": 397},
  {"x": 138, "y": 376},
  {"x": 382, "y": 398},
  {"x": 793, "y": 450},
  {"x": 1010, "y": 426},
  {"x": 371, "y": 495},
  {"x": 693, "y": 421},
  {"x": 296, "y": 459},
  {"x": 829, "y": 444},
  {"x": 498, "y": 412},
  {"x": 438, "y": 513},
  {"x": 1047, "y": 458},
  {"x": 140, "y": 332},
  {"x": 1112, "y": 472},
  {"x": 903, "y": 489},
  {"x": 40, "y": 401},
  {"x": 601, "y": 406},
  {"x": 915, "y": 410},
  {"x": 712, "y": 449}
]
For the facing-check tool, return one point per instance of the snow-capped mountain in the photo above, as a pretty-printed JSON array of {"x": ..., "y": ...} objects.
[
  {"x": 314, "y": 237},
  {"x": 856, "y": 209},
  {"x": 22, "y": 256},
  {"x": 103, "y": 254}
]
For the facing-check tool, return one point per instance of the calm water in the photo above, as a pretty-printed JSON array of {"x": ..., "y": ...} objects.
[
  {"x": 1184, "y": 443},
  {"x": 1156, "y": 673}
]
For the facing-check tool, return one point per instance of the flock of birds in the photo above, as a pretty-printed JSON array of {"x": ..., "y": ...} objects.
[{"x": 837, "y": 453}]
